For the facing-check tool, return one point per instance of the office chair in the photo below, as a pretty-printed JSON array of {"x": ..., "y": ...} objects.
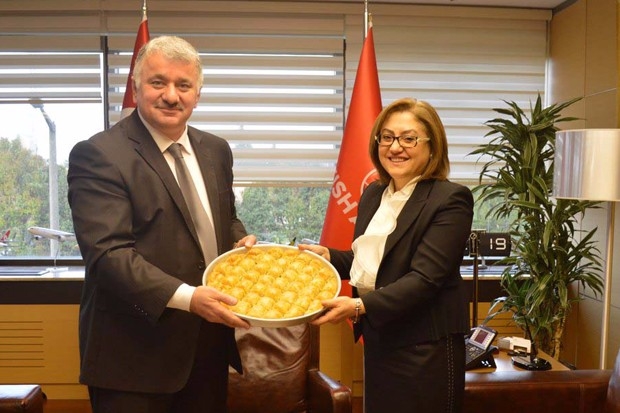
[{"x": 281, "y": 374}]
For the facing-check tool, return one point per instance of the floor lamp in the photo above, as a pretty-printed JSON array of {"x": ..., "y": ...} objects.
[{"x": 587, "y": 167}]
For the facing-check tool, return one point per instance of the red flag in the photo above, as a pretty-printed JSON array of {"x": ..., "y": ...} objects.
[
  {"x": 141, "y": 39},
  {"x": 354, "y": 170}
]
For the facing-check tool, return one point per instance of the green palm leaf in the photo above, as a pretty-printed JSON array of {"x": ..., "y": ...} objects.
[{"x": 550, "y": 253}]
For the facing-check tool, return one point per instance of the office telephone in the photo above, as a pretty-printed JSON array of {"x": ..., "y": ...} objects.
[{"x": 478, "y": 348}]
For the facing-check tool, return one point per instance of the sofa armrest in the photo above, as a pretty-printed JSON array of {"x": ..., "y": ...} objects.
[
  {"x": 27, "y": 398},
  {"x": 570, "y": 391},
  {"x": 326, "y": 395}
]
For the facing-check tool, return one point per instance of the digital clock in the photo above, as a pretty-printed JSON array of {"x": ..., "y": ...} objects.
[{"x": 489, "y": 244}]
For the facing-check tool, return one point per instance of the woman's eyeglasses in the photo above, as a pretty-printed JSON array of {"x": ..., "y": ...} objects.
[{"x": 405, "y": 141}]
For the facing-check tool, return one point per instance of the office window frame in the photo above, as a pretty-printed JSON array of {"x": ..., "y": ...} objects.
[{"x": 422, "y": 77}]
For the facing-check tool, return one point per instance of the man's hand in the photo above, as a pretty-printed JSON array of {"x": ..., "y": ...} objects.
[
  {"x": 248, "y": 241},
  {"x": 207, "y": 303}
]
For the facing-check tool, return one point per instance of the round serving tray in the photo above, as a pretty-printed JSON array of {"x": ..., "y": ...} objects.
[{"x": 275, "y": 322}]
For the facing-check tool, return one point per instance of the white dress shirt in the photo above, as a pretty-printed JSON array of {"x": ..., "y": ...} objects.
[
  {"x": 183, "y": 295},
  {"x": 368, "y": 248}
]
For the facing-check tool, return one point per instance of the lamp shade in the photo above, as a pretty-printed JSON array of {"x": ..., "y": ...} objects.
[{"x": 587, "y": 164}]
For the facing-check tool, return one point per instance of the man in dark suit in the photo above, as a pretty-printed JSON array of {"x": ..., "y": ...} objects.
[{"x": 152, "y": 338}]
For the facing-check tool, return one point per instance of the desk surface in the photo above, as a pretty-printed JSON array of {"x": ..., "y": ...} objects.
[
  {"x": 17, "y": 273},
  {"x": 64, "y": 285},
  {"x": 72, "y": 273},
  {"x": 503, "y": 362}
]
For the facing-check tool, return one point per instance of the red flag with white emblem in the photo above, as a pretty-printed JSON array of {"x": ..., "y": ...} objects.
[
  {"x": 354, "y": 170},
  {"x": 141, "y": 39}
]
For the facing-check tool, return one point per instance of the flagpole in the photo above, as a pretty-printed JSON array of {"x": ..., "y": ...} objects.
[
  {"x": 366, "y": 18},
  {"x": 144, "y": 10},
  {"x": 354, "y": 168},
  {"x": 106, "y": 82}
]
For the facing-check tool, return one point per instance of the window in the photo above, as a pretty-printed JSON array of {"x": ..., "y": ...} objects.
[
  {"x": 283, "y": 214},
  {"x": 278, "y": 79},
  {"x": 31, "y": 138},
  {"x": 49, "y": 101}
]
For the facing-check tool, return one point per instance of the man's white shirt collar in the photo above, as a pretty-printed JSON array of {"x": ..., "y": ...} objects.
[{"x": 163, "y": 142}]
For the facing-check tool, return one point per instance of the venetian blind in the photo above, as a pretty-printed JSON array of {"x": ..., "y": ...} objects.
[
  {"x": 278, "y": 75},
  {"x": 277, "y": 100},
  {"x": 37, "y": 69},
  {"x": 463, "y": 61}
]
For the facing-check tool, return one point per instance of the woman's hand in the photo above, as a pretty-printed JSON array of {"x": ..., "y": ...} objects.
[
  {"x": 337, "y": 310},
  {"x": 317, "y": 249}
]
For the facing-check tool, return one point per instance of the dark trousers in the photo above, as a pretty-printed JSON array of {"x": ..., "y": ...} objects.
[{"x": 204, "y": 392}]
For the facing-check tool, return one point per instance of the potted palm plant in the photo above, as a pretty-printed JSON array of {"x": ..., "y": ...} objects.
[{"x": 549, "y": 253}]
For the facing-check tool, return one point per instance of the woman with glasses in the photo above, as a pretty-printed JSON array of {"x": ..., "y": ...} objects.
[{"x": 409, "y": 301}]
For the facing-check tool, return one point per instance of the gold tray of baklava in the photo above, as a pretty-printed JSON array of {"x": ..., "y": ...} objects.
[{"x": 275, "y": 285}]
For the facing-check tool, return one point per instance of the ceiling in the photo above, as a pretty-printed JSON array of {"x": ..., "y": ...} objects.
[{"x": 536, "y": 4}]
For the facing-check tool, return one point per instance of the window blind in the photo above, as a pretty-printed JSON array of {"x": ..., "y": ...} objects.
[
  {"x": 463, "y": 61},
  {"x": 42, "y": 70},
  {"x": 279, "y": 75},
  {"x": 277, "y": 100}
]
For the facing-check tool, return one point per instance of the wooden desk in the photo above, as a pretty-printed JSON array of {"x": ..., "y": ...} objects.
[{"x": 504, "y": 363}]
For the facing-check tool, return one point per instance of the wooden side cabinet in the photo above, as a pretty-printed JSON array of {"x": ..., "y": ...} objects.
[
  {"x": 39, "y": 344},
  {"x": 39, "y": 335}
]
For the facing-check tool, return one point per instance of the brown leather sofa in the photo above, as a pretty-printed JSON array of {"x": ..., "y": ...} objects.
[
  {"x": 21, "y": 398},
  {"x": 570, "y": 391},
  {"x": 281, "y": 374}
]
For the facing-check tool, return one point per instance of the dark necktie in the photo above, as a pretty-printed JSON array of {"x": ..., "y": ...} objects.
[{"x": 204, "y": 227}]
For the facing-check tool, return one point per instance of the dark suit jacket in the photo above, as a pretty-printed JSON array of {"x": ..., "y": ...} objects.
[
  {"x": 420, "y": 295},
  {"x": 139, "y": 244}
]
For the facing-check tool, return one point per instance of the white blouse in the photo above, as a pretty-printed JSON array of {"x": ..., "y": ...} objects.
[{"x": 368, "y": 248}]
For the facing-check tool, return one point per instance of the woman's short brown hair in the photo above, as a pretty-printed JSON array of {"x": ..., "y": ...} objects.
[{"x": 439, "y": 165}]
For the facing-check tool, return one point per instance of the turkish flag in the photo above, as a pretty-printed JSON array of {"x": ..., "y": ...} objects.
[
  {"x": 141, "y": 39},
  {"x": 354, "y": 170}
]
